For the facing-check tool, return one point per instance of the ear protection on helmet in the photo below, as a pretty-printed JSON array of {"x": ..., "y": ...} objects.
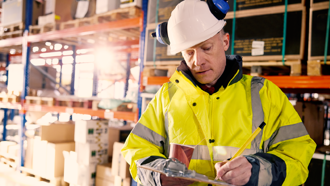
[{"x": 218, "y": 8}]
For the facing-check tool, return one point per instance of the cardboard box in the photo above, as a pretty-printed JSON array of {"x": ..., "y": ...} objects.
[
  {"x": 104, "y": 172},
  {"x": 55, "y": 12},
  {"x": 104, "y": 182},
  {"x": 90, "y": 131},
  {"x": 118, "y": 134},
  {"x": 128, "y": 3},
  {"x": 91, "y": 153},
  {"x": 28, "y": 162},
  {"x": 84, "y": 8},
  {"x": 39, "y": 156},
  {"x": 122, "y": 181},
  {"x": 55, "y": 159},
  {"x": 70, "y": 167},
  {"x": 119, "y": 165},
  {"x": 86, "y": 175},
  {"x": 13, "y": 12},
  {"x": 4, "y": 146},
  {"x": 103, "y": 6},
  {"x": 57, "y": 133},
  {"x": 36, "y": 79}
]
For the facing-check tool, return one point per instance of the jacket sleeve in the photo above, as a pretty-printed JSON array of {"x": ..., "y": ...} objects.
[
  {"x": 287, "y": 147},
  {"x": 146, "y": 142}
]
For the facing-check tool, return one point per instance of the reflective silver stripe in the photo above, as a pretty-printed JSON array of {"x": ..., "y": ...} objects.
[
  {"x": 148, "y": 134},
  {"x": 265, "y": 172},
  {"x": 286, "y": 133},
  {"x": 221, "y": 153},
  {"x": 258, "y": 114},
  {"x": 167, "y": 143},
  {"x": 201, "y": 152},
  {"x": 171, "y": 90}
]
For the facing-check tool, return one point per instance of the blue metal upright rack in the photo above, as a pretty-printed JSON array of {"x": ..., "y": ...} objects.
[
  {"x": 141, "y": 58},
  {"x": 26, "y": 64}
]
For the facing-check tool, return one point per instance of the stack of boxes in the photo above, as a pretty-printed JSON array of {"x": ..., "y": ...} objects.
[
  {"x": 44, "y": 152},
  {"x": 115, "y": 173},
  {"x": 91, "y": 138},
  {"x": 120, "y": 168}
]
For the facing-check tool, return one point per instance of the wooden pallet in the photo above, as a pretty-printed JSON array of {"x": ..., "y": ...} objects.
[
  {"x": 13, "y": 27},
  {"x": 53, "y": 181},
  {"x": 10, "y": 162},
  {"x": 124, "y": 34},
  {"x": 38, "y": 29},
  {"x": 77, "y": 23},
  {"x": 73, "y": 102},
  {"x": 118, "y": 14},
  {"x": 10, "y": 99},
  {"x": 13, "y": 34},
  {"x": 318, "y": 68},
  {"x": 292, "y": 68},
  {"x": 49, "y": 101}
]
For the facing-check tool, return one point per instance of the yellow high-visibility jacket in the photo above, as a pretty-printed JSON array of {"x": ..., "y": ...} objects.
[{"x": 218, "y": 125}]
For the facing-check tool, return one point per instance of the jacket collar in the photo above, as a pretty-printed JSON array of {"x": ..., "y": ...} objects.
[{"x": 229, "y": 76}]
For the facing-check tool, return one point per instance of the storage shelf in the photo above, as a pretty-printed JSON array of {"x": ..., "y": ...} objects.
[
  {"x": 108, "y": 114},
  {"x": 131, "y": 116},
  {"x": 75, "y": 32},
  {"x": 297, "y": 82}
]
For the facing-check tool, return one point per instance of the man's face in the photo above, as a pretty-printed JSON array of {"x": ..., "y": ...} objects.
[{"x": 207, "y": 60}]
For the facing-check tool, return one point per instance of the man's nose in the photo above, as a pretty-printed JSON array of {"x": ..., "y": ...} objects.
[{"x": 199, "y": 58}]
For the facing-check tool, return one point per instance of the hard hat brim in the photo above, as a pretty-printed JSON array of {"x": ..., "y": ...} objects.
[{"x": 201, "y": 38}]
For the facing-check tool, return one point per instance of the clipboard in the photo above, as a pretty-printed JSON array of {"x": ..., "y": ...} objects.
[{"x": 174, "y": 168}]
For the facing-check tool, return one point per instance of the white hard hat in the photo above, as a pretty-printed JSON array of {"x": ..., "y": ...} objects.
[{"x": 191, "y": 23}]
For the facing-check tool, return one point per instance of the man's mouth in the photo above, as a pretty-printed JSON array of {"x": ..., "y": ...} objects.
[{"x": 202, "y": 72}]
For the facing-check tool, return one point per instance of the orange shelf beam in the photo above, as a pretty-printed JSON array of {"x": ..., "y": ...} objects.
[
  {"x": 306, "y": 82},
  {"x": 131, "y": 116}
]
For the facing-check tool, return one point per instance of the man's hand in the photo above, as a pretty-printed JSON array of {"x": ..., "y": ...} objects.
[
  {"x": 174, "y": 181},
  {"x": 236, "y": 171}
]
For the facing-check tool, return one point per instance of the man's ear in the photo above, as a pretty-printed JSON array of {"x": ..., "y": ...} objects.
[{"x": 225, "y": 40}]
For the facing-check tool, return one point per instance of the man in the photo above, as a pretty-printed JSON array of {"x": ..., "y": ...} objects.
[{"x": 211, "y": 105}]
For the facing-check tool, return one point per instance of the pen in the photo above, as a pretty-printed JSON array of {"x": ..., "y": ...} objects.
[{"x": 255, "y": 133}]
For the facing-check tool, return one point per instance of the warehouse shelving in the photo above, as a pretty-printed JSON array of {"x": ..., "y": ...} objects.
[
  {"x": 75, "y": 32},
  {"x": 25, "y": 43}
]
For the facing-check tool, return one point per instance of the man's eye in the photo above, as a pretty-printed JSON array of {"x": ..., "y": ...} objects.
[{"x": 207, "y": 49}]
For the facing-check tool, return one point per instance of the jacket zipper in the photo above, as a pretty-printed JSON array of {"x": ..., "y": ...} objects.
[{"x": 211, "y": 143}]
